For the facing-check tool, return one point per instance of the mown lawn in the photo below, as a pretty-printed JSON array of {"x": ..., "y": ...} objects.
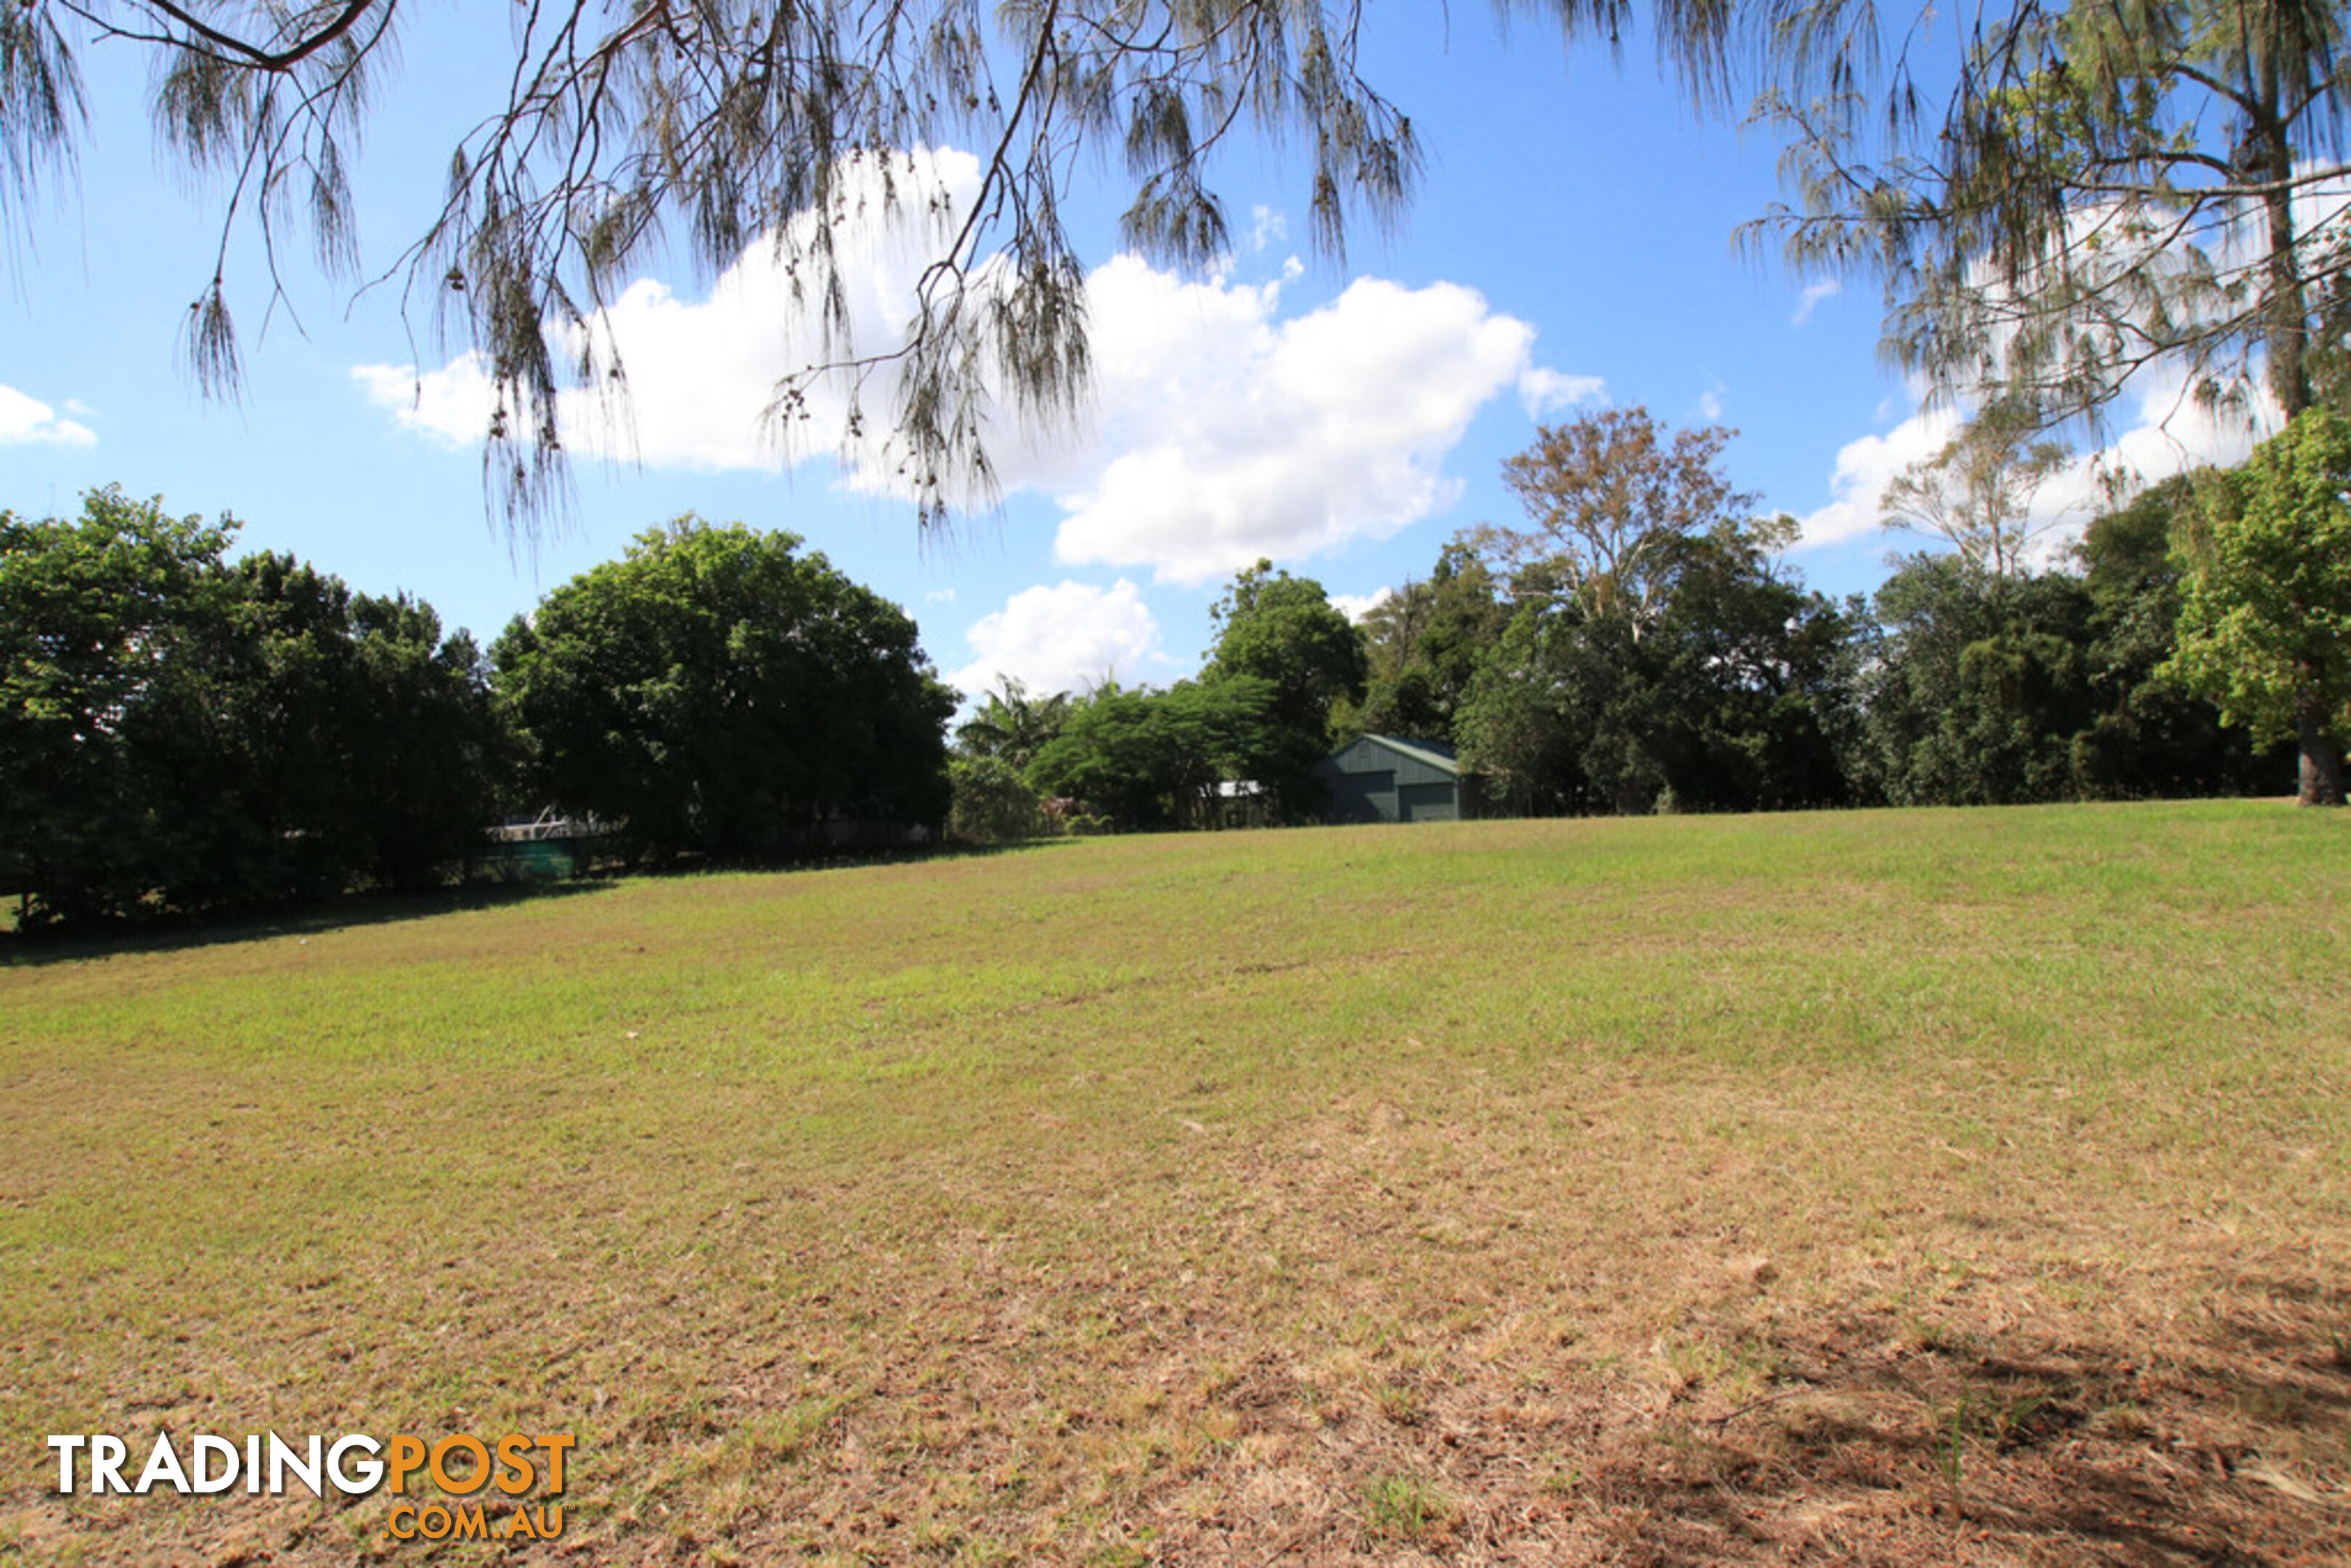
[{"x": 1885, "y": 1187}]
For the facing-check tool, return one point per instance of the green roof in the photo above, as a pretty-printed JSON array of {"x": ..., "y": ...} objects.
[{"x": 1442, "y": 760}]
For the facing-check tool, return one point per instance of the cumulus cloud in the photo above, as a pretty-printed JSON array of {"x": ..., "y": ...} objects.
[
  {"x": 1864, "y": 467},
  {"x": 25, "y": 421},
  {"x": 1230, "y": 436},
  {"x": 1062, "y": 637},
  {"x": 701, "y": 373},
  {"x": 1219, "y": 430},
  {"x": 1355, "y": 606},
  {"x": 2167, "y": 431}
]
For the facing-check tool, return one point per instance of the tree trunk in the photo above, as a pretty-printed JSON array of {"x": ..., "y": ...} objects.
[{"x": 2322, "y": 758}]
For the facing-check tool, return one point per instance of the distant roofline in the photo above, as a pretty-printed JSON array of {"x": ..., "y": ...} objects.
[{"x": 1420, "y": 751}]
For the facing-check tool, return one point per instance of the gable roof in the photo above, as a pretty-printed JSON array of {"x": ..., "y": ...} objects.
[{"x": 1429, "y": 753}]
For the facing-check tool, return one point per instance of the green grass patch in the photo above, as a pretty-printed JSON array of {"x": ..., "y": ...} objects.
[{"x": 1188, "y": 1198}]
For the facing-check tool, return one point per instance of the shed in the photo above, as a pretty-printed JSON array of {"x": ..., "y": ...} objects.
[{"x": 1379, "y": 778}]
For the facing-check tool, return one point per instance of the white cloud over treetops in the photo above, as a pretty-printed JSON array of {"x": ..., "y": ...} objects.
[
  {"x": 25, "y": 420},
  {"x": 2168, "y": 433},
  {"x": 1219, "y": 431},
  {"x": 1063, "y": 637},
  {"x": 2155, "y": 427}
]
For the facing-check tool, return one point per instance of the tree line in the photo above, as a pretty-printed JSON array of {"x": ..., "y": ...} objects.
[
  {"x": 1638, "y": 645},
  {"x": 182, "y": 732}
]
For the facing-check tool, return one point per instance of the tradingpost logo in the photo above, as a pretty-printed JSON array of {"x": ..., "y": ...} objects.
[{"x": 520, "y": 1475}]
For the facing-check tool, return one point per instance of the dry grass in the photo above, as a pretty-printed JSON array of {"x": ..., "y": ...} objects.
[{"x": 1891, "y": 1188}]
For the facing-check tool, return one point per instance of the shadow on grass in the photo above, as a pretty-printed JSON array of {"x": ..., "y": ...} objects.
[
  {"x": 2213, "y": 1454},
  {"x": 172, "y": 933}
]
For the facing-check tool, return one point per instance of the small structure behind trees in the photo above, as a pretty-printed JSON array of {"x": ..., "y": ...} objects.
[{"x": 1380, "y": 778}]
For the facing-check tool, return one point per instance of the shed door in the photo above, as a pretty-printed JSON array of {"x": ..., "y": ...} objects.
[{"x": 1428, "y": 804}]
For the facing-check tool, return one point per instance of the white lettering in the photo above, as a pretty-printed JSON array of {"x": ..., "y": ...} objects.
[
  {"x": 204, "y": 1480},
  {"x": 65, "y": 1447},
  {"x": 162, "y": 1464},
  {"x": 283, "y": 1459},
  {"x": 106, "y": 1455},
  {"x": 369, "y": 1472}
]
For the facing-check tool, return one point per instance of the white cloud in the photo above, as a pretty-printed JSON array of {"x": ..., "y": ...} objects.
[
  {"x": 1827, "y": 288},
  {"x": 1355, "y": 606},
  {"x": 1266, "y": 227},
  {"x": 1542, "y": 391},
  {"x": 939, "y": 596},
  {"x": 25, "y": 421},
  {"x": 1219, "y": 432},
  {"x": 1865, "y": 466},
  {"x": 1710, "y": 404},
  {"x": 1063, "y": 637},
  {"x": 2168, "y": 434},
  {"x": 700, "y": 374},
  {"x": 1228, "y": 437}
]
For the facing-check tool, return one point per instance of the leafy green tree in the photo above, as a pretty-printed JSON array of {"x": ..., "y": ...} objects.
[
  {"x": 93, "y": 613},
  {"x": 429, "y": 753},
  {"x": 718, "y": 692},
  {"x": 182, "y": 733},
  {"x": 1754, "y": 686},
  {"x": 991, "y": 803},
  {"x": 1737, "y": 697},
  {"x": 1014, "y": 723},
  {"x": 1149, "y": 760},
  {"x": 2153, "y": 736},
  {"x": 2265, "y": 602},
  {"x": 1422, "y": 644},
  {"x": 1514, "y": 726},
  {"x": 1285, "y": 629},
  {"x": 1976, "y": 687}
]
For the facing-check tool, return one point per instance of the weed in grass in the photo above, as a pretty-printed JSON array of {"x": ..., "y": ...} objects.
[
  {"x": 1400, "y": 1507},
  {"x": 1954, "y": 1428},
  {"x": 1400, "y": 1404}
]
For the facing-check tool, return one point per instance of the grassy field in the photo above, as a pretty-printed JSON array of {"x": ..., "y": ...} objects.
[{"x": 1882, "y": 1187}]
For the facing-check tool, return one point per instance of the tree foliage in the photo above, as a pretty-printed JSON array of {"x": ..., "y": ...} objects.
[
  {"x": 725, "y": 124},
  {"x": 1977, "y": 492},
  {"x": 1014, "y": 723},
  {"x": 2266, "y": 604},
  {"x": 1285, "y": 629},
  {"x": 1156, "y": 759},
  {"x": 717, "y": 692},
  {"x": 2107, "y": 185},
  {"x": 181, "y": 733},
  {"x": 1611, "y": 495},
  {"x": 990, "y": 802},
  {"x": 1422, "y": 644},
  {"x": 1734, "y": 700}
]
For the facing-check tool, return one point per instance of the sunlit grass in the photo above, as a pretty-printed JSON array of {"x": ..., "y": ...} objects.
[{"x": 1190, "y": 1196}]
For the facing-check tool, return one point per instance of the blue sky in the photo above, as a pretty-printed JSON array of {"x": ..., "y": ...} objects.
[{"x": 1571, "y": 245}]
